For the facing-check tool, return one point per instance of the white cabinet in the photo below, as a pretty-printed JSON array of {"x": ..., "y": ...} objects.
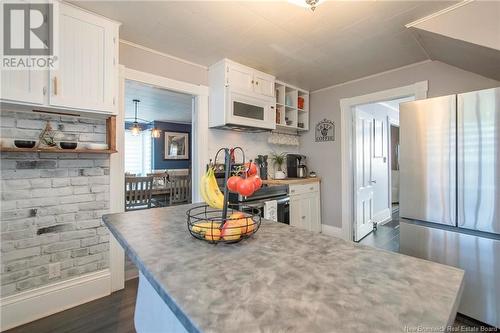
[
  {"x": 86, "y": 74},
  {"x": 305, "y": 207},
  {"x": 240, "y": 97},
  {"x": 243, "y": 79},
  {"x": 26, "y": 86},
  {"x": 264, "y": 84},
  {"x": 240, "y": 78},
  {"x": 87, "y": 71}
]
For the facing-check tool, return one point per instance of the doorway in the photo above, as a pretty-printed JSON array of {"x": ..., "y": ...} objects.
[
  {"x": 348, "y": 107},
  {"x": 199, "y": 153},
  {"x": 375, "y": 182}
]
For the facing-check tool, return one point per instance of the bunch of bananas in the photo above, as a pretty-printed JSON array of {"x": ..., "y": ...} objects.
[{"x": 210, "y": 191}]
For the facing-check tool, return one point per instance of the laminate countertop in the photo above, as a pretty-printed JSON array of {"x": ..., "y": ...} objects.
[
  {"x": 284, "y": 279},
  {"x": 291, "y": 181}
]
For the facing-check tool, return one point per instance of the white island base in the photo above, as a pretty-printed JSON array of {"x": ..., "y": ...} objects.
[{"x": 152, "y": 314}]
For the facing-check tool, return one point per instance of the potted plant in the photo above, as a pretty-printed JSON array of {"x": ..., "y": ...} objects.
[{"x": 278, "y": 160}]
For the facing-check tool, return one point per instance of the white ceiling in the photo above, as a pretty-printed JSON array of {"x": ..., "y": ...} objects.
[
  {"x": 340, "y": 41},
  {"x": 157, "y": 104}
]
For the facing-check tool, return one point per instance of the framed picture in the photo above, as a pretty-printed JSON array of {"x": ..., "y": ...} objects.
[{"x": 176, "y": 146}]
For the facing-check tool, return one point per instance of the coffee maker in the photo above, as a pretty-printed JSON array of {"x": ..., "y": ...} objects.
[{"x": 296, "y": 166}]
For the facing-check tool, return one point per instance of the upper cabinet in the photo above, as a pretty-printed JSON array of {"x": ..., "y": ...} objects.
[
  {"x": 27, "y": 86},
  {"x": 86, "y": 75},
  {"x": 87, "y": 71},
  {"x": 244, "y": 79},
  {"x": 240, "y": 97}
]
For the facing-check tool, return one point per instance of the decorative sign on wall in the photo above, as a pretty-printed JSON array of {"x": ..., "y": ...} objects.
[{"x": 325, "y": 131}]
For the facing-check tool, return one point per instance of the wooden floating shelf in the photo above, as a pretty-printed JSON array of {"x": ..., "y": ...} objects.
[{"x": 60, "y": 151}]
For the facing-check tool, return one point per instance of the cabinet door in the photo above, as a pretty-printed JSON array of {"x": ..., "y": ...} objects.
[
  {"x": 26, "y": 86},
  {"x": 264, "y": 84},
  {"x": 240, "y": 78},
  {"x": 87, "y": 70},
  {"x": 295, "y": 212},
  {"x": 305, "y": 211}
]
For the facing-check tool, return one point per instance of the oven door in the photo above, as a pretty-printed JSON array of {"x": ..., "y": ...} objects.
[
  {"x": 250, "y": 111},
  {"x": 283, "y": 208}
]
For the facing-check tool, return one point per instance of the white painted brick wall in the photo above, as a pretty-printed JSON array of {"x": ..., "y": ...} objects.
[{"x": 51, "y": 204}]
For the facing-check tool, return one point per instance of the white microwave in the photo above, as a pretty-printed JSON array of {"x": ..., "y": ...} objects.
[
  {"x": 248, "y": 111},
  {"x": 243, "y": 112}
]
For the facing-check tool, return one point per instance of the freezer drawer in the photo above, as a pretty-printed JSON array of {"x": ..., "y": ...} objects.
[
  {"x": 428, "y": 160},
  {"x": 478, "y": 149},
  {"x": 478, "y": 256}
]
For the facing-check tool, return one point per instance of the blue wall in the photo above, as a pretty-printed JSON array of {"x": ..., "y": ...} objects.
[{"x": 158, "y": 147}]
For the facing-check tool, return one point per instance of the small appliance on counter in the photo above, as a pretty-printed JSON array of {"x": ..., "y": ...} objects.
[
  {"x": 296, "y": 166},
  {"x": 261, "y": 161}
]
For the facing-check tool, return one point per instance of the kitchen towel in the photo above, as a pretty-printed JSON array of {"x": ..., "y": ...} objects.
[{"x": 271, "y": 210}]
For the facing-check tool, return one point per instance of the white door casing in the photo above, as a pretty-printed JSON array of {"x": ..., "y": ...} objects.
[
  {"x": 363, "y": 181},
  {"x": 418, "y": 89}
]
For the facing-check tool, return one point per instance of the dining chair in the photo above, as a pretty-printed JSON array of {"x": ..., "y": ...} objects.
[
  {"x": 180, "y": 189},
  {"x": 138, "y": 191}
]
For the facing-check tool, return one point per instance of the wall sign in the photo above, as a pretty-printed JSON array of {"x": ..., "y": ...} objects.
[{"x": 325, "y": 131}]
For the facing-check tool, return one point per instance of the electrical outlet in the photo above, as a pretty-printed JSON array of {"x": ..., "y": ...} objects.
[{"x": 54, "y": 270}]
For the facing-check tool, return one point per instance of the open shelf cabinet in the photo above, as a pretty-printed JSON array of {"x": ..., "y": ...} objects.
[{"x": 292, "y": 107}]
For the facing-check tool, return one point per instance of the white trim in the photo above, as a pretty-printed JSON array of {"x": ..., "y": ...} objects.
[
  {"x": 37, "y": 303},
  {"x": 391, "y": 122},
  {"x": 166, "y": 55},
  {"x": 200, "y": 152},
  {"x": 372, "y": 76},
  {"x": 91, "y": 12},
  {"x": 331, "y": 230},
  {"x": 438, "y": 13},
  {"x": 419, "y": 90}
]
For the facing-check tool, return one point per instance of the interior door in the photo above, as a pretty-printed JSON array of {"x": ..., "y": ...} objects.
[{"x": 363, "y": 182}]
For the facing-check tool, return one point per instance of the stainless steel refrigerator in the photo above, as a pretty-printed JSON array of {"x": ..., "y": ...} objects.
[{"x": 450, "y": 191}]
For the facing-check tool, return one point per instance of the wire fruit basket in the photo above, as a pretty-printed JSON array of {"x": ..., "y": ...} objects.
[
  {"x": 208, "y": 224},
  {"x": 227, "y": 223}
]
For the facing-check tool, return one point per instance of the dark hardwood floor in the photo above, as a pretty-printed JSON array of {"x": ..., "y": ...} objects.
[
  {"x": 111, "y": 314},
  {"x": 386, "y": 236}
]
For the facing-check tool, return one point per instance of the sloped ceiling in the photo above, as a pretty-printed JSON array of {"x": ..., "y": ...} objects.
[
  {"x": 470, "y": 57},
  {"x": 340, "y": 41}
]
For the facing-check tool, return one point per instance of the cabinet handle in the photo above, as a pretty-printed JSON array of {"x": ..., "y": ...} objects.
[
  {"x": 257, "y": 82},
  {"x": 303, "y": 217},
  {"x": 311, "y": 188},
  {"x": 292, "y": 191},
  {"x": 252, "y": 81},
  {"x": 44, "y": 91},
  {"x": 55, "y": 85}
]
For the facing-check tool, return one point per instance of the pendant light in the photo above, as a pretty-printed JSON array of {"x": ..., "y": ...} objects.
[
  {"x": 135, "y": 128},
  {"x": 155, "y": 133}
]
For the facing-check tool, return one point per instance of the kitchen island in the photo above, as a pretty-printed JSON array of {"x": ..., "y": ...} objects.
[{"x": 282, "y": 279}]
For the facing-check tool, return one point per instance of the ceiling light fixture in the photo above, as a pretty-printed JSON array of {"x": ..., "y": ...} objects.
[
  {"x": 135, "y": 128},
  {"x": 311, "y": 4}
]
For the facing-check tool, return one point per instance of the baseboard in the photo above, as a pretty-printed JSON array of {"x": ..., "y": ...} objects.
[
  {"x": 383, "y": 217},
  {"x": 41, "y": 302},
  {"x": 332, "y": 231}
]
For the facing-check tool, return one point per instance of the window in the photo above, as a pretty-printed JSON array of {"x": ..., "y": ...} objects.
[{"x": 138, "y": 153}]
